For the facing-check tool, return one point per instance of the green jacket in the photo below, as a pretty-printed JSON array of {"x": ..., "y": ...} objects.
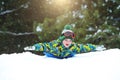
[{"x": 56, "y": 49}]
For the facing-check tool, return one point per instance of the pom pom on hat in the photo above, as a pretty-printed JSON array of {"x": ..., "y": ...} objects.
[{"x": 67, "y": 28}]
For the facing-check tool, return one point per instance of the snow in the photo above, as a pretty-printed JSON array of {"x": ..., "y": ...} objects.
[
  {"x": 7, "y": 11},
  {"x": 16, "y": 34},
  {"x": 98, "y": 31},
  {"x": 118, "y": 7},
  {"x": 38, "y": 29},
  {"x": 77, "y": 14},
  {"x": 102, "y": 65},
  {"x": 3, "y": 2}
]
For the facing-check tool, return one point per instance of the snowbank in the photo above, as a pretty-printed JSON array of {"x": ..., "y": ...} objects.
[{"x": 103, "y": 65}]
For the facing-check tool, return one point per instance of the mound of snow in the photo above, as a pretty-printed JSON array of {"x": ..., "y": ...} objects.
[{"x": 103, "y": 65}]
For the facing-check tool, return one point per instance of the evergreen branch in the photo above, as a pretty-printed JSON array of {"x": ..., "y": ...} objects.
[
  {"x": 7, "y": 12},
  {"x": 16, "y": 34},
  {"x": 10, "y": 11}
]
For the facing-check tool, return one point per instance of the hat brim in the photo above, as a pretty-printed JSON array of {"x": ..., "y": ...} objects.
[{"x": 66, "y": 31}]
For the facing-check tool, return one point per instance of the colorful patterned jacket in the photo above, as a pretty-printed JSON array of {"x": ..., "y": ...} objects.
[{"x": 57, "y": 50}]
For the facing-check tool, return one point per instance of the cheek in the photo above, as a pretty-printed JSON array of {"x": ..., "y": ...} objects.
[
  {"x": 70, "y": 42},
  {"x": 64, "y": 42},
  {"x": 67, "y": 42}
]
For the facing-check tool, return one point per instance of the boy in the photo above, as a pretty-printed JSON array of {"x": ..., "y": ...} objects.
[{"x": 63, "y": 47}]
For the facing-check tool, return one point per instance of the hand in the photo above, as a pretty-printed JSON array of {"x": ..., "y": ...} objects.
[
  {"x": 100, "y": 48},
  {"x": 29, "y": 48}
]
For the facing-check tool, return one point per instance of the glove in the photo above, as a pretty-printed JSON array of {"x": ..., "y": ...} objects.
[
  {"x": 35, "y": 47},
  {"x": 100, "y": 48},
  {"x": 29, "y": 48}
]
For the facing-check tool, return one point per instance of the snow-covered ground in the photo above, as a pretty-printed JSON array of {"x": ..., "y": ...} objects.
[{"x": 103, "y": 65}]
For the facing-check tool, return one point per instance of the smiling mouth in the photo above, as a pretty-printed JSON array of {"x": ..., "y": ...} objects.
[{"x": 67, "y": 44}]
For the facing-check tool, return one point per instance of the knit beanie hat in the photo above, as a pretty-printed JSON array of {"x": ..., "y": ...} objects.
[{"x": 67, "y": 28}]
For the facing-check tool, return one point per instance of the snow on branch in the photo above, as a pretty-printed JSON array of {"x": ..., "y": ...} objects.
[
  {"x": 26, "y": 5},
  {"x": 7, "y": 11},
  {"x": 16, "y": 34}
]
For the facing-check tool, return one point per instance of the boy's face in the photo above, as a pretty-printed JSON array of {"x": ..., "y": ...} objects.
[{"x": 67, "y": 42}]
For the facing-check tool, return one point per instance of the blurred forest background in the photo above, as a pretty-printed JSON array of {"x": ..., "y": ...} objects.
[{"x": 26, "y": 22}]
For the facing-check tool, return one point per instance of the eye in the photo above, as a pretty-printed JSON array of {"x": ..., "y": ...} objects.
[{"x": 69, "y": 40}]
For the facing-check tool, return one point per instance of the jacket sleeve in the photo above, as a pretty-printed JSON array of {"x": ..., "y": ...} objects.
[
  {"x": 42, "y": 46},
  {"x": 87, "y": 48},
  {"x": 46, "y": 46},
  {"x": 39, "y": 47}
]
